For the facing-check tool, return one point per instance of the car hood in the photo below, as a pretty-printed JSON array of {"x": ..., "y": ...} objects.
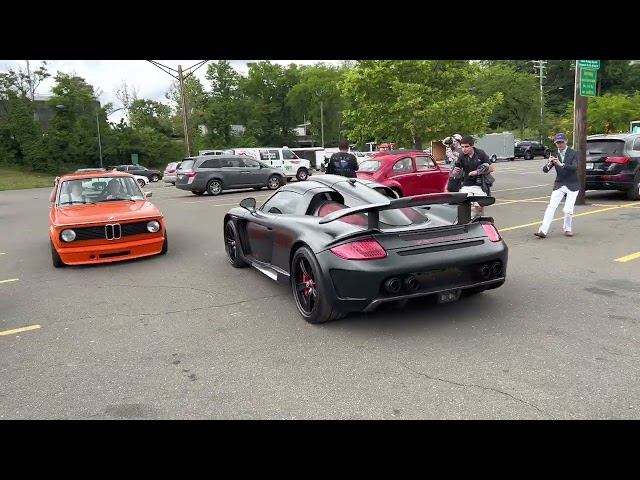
[{"x": 105, "y": 212}]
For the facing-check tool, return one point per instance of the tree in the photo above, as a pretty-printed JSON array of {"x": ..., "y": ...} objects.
[
  {"x": 319, "y": 83},
  {"x": 127, "y": 95},
  {"x": 73, "y": 135},
  {"x": 521, "y": 102},
  {"x": 409, "y": 102},
  {"x": 222, "y": 109},
  {"x": 21, "y": 139}
]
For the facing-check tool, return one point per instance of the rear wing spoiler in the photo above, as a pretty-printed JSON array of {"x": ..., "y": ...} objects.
[{"x": 463, "y": 201}]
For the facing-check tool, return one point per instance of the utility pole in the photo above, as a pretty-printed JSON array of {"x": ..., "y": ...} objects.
[
  {"x": 580, "y": 134},
  {"x": 541, "y": 64},
  {"x": 31, "y": 92},
  {"x": 181, "y": 76}
]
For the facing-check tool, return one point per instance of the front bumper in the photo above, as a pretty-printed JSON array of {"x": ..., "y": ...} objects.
[
  {"x": 362, "y": 286},
  {"x": 110, "y": 252}
]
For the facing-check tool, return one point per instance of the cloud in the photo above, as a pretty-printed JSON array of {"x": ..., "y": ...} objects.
[{"x": 107, "y": 75}]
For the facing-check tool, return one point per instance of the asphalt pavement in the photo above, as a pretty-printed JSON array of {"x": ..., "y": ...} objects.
[{"x": 186, "y": 336}]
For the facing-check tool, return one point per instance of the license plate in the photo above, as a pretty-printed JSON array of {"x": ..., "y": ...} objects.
[
  {"x": 589, "y": 165},
  {"x": 448, "y": 296}
]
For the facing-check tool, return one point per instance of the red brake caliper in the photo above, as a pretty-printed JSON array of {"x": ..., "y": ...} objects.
[{"x": 304, "y": 280}]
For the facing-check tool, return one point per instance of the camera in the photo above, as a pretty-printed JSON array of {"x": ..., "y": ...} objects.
[{"x": 448, "y": 141}]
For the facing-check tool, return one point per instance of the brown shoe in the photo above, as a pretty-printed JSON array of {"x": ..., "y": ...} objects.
[
  {"x": 539, "y": 234},
  {"x": 568, "y": 234}
]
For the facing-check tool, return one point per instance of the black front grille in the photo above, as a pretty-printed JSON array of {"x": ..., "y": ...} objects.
[{"x": 107, "y": 232}]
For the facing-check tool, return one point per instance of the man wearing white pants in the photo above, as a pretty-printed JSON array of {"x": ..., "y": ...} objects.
[{"x": 567, "y": 183}]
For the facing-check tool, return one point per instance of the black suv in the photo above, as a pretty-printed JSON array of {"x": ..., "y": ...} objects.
[
  {"x": 213, "y": 174},
  {"x": 152, "y": 175},
  {"x": 529, "y": 149},
  {"x": 613, "y": 163}
]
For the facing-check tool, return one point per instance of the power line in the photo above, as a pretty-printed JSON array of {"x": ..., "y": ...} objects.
[{"x": 181, "y": 76}]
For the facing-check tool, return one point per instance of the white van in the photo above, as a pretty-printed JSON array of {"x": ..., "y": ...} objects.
[{"x": 282, "y": 158}]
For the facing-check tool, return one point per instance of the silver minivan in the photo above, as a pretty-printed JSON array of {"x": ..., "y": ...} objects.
[{"x": 213, "y": 174}]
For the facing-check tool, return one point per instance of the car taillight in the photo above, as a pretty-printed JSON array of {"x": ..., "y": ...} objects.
[
  {"x": 171, "y": 171},
  {"x": 617, "y": 160},
  {"x": 190, "y": 174},
  {"x": 492, "y": 232},
  {"x": 368, "y": 249}
]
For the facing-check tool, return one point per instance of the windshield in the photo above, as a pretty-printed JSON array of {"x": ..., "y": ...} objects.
[
  {"x": 369, "y": 166},
  {"x": 93, "y": 190},
  {"x": 606, "y": 147}
]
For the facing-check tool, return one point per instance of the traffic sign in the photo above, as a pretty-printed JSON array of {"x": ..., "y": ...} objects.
[
  {"x": 588, "y": 80},
  {"x": 589, "y": 64}
]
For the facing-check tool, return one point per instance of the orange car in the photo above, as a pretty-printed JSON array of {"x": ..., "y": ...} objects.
[{"x": 99, "y": 217}]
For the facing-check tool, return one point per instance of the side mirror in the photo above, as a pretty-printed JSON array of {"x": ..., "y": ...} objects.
[
  {"x": 248, "y": 203},
  {"x": 148, "y": 194}
]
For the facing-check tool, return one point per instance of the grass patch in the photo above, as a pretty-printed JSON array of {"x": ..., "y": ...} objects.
[{"x": 14, "y": 179}]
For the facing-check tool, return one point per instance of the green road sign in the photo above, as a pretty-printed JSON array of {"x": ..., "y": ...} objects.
[
  {"x": 134, "y": 158},
  {"x": 589, "y": 64},
  {"x": 588, "y": 80}
]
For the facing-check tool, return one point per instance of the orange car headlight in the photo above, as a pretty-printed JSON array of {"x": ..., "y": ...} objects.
[
  {"x": 68, "y": 235},
  {"x": 153, "y": 226}
]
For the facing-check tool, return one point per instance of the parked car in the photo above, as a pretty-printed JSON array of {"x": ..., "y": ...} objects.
[
  {"x": 613, "y": 163},
  {"x": 529, "y": 149},
  {"x": 342, "y": 245},
  {"x": 152, "y": 175},
  {"x": 169, "y": 175},
  {"x": 99, "y": 217},
  {"x": 213, "y": 174},
  {"x": 407, "y": 172}
]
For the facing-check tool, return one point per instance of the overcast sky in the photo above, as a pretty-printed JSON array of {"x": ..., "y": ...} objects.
[{"x": 150, "y": 81}]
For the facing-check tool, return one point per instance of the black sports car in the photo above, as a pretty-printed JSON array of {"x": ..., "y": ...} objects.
[{"x": 349, "y": 245}]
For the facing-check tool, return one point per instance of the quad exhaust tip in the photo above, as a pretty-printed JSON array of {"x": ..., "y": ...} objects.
[
  {"x": 411, "y": 284},
  {"x": 393, "y": 285},
  {"x": 496, "y": 268},
  {"x": 485, "y": 271}
]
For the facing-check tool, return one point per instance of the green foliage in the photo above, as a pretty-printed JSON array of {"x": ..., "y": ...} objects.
[
  {"x": 413, "y": 101},
  {"x": 407, "y": 102}
]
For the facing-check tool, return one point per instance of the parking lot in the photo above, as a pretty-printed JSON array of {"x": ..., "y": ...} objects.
[{"x": 186, "y": 336}]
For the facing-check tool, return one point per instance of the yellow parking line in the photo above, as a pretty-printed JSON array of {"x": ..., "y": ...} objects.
[
  {"x": 10, "y": 280},
  {"x": 18, "y": 330},
  {"x": 601, "y": 210},
  {"x": 627, "y": 258}
]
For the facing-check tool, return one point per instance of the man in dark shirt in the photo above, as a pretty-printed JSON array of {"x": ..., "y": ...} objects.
[
  {"x": 343, "y": 163},
  {"x": 472, "y": 163}
]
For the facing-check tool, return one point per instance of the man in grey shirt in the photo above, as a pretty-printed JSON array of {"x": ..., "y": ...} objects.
[{"x": 567, "y": 183}]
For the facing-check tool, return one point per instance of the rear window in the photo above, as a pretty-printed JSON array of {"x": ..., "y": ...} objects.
[
  {"x": 388, "y": 218},
  {"x": 369, "y": 166},
  {"x": 605, "y": 147},
  {"x": 186, "y": 165}
]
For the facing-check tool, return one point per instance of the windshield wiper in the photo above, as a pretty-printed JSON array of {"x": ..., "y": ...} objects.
[
  {"x": 118, "y": 200},
  {"x": 77, "y": 203}
]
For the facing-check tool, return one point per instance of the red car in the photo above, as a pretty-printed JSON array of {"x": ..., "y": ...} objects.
[{"x": 407, "y": 173}]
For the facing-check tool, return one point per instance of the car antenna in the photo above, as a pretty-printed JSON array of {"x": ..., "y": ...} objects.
[{"x": 352, "y": 181}]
